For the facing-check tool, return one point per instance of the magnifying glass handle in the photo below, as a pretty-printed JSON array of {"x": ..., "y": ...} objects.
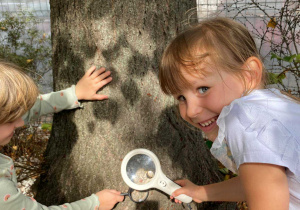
[{"x": 168, "y": 186}]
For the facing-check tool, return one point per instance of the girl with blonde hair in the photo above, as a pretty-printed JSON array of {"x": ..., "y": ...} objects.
[
  {"x": 215, "y": 72},
  {"x": 19, "y": 102}
]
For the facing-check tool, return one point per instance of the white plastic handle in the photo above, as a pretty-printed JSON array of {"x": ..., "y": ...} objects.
[{"x": 166, "y": 185}]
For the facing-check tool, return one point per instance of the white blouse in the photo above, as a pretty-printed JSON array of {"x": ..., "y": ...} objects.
[{"x": 262, "y": 127}]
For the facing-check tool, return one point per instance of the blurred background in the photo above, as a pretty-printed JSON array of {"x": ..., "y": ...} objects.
[{"x": 25, "y": 39}]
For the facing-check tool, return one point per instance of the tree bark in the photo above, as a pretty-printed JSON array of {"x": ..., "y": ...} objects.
[{"x": 86, "y": 147}]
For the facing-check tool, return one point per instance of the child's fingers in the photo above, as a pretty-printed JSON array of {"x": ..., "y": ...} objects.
[
  {"x": 90, "y": 71},
  {"x": 99, "y": 97},
  {"x": 120, "y": 198},
  {"x": 104, "y": 82},
  {"x": 115, "y": 191},
  {"x": 97, "y": 73},
  {"x": 175, "y": 200},
  {"x": 178, "y": 192},
  {"x": 102, "y": 76}
]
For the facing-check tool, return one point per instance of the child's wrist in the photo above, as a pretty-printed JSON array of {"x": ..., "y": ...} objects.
[
  {"x": 202, "y": 194},
  {"x": 78, "y": 93}
]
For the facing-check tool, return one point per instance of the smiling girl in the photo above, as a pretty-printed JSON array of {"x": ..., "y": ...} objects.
[{"x": 215, "y": 72}]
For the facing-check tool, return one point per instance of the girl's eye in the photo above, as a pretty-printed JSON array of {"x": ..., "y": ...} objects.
[
  {"x": 202, "y": 90},
  {"x": 181, "y": 98}
]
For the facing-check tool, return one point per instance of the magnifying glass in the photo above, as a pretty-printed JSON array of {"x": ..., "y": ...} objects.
[
  {"x": 136, "y": 196},
  {"x": 141, "y": 171}
]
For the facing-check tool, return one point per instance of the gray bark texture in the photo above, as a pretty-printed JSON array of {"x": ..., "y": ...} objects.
[{"x": 86, "y": 147}]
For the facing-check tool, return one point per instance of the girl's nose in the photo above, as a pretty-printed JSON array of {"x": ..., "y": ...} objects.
[
  {"x": 193, "y": 109},
  {"x": 19, "y": 122}
]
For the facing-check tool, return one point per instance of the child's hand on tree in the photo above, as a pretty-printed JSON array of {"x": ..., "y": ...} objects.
[
  {"x": 91, "y": 82},
  {"x": 108, "y": 198}
]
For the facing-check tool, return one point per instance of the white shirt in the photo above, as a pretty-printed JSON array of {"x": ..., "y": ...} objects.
[{"x": 262, "y": 127}]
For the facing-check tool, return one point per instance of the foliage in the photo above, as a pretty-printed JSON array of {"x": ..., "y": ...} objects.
[
  {"x": 26, "y": 148},
  {"x": 22, "y": 43},
  {"x": 280, "y": 36},
  {"x": 292, "y": 59},
  {"x": 208, "y": 143},
  {"x": 46, "y": 126}
]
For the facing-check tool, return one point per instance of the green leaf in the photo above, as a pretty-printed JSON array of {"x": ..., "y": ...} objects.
[
  {"x": 273, "y": 55},
  {"x": 289, "y": 58},
  {"x": 281, "y": 76},
  {"x": 272, "y": 78},
  {"x": 209, "y": 143},
  {"x": 276, "y": 78},
  {"x": 297, "y": 58},
  {"x": 47, "y": 126},
  {"x": 224, "y": 170}
]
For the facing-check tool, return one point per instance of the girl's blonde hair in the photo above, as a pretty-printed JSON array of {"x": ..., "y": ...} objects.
[
  {"x": 18, "y": 92},
  {"x": 226, "y": 43}
]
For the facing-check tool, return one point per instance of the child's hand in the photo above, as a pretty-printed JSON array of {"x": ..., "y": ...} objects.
[
  {"x": 91, "y": 82},
  {"x": 189, "y": 189},
  {"x": 109, "y": 198}
]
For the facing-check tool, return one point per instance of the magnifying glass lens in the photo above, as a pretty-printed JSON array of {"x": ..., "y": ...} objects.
[
  {"x": 139, "y": 196},
  {"x": 140, "y": 169}
]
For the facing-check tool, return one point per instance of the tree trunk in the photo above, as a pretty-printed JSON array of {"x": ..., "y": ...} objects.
[{"x": 86, "y": 147}]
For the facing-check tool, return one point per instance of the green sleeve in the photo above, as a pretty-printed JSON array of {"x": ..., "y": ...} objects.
[
  {"x": 11, "y": 198},
  {"x": 52, "y": 102}
]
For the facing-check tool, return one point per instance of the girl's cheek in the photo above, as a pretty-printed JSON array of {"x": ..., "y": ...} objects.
[{"x": 182, "y": 111}]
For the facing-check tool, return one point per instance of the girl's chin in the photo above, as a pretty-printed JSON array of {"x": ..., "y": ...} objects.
[
  {"x": 211, "y": 131},
  {"x": 3, "y": 143},
  {"x": 212, "y": 135}
]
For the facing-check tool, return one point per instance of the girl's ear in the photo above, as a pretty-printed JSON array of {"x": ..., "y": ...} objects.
[{"x": 253, "y": 73}]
